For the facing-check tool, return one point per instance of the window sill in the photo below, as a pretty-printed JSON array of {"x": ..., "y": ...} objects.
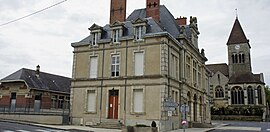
[
  {"x": 90, "y": 112},
  {"x": 138, "y": 113},
  {"x": 138, "y": 40}
]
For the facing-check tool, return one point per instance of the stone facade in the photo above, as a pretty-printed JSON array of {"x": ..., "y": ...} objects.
[{"x": 133, "y": 76}]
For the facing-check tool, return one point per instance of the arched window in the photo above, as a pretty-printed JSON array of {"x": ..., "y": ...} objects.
[
  {"x": 219, "y": 92},
  {"x": 250, "y": 93},
  {"x": 233, "y": 59},
  {"x": 236, "y": 58},
  {"x": 243, "y": 58},
  {"x": 240, "y": 58},
  {"x": 237, "y": 95},
  {"x": 259, "y": 93}
]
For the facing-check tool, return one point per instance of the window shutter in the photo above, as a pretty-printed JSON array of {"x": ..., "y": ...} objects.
[
  {"x": 91, "y": 101},
  {"x": 139, "y": 60},
  {"x": 93, "y": 67},
  {"x": 138, "y": 100}
]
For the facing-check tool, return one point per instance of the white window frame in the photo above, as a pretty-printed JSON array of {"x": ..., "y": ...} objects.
[
  {"x": 138, "y": 33},
  {"x": 116, "y": 35},
  {"x": 142, "y": 109},
  {"x": 94, "y": 38},
  {"x": 114, "y": 65},
  {"x": 94, "y": 103},
  {"x": 141, "y": 71},
  {"x": 93, "y": 74}
]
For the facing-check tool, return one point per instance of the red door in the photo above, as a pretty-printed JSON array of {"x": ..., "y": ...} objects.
[{"x": 113, "y": 104}]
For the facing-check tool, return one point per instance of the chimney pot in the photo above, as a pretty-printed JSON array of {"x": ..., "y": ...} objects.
[
  {"x": 181, "y": 21},
  {"x": 37, "y": 70}
]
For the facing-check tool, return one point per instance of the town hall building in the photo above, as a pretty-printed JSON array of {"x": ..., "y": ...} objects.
[{"x": 140, "y": 69}]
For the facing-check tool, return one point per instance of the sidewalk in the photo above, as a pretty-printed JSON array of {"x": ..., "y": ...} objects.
[
  {"x": 73, "y": 128},
  {"x": 215, "y": 124}
]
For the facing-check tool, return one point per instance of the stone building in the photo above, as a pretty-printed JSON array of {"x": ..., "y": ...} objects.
[
  {"x": 234, "y": 84},
  {"x": 131, "y": 69},
  {"x": 29, "y": 90}
]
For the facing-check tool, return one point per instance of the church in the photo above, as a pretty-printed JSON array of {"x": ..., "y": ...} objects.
[{"x": 234, "y": 85}]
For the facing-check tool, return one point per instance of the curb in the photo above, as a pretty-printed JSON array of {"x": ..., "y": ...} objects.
[{"x": 40, "y": 125}]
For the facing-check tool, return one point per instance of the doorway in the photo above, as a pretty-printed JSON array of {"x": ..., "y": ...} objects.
[{"x": 113, "y": 104}]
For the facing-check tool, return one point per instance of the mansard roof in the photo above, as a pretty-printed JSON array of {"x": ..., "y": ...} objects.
[
  {"x": 247, "y": 77},
  {"x": 44, "y": 81},
  {"x": 237, "y": 34},
  {"x": 167, "y": 24},
  {"x": 223, "y": 68}
]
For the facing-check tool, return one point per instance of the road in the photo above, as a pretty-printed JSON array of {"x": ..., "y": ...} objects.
[
  {"x": 15, "y": 127},
  {"x": 241, "y": 126}
]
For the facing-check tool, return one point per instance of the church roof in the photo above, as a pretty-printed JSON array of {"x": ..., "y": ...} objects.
[
  {"x": 237, "y": 34},
  {"x": 247, "y": 77},
  {"x": 44, "y": 81},
  {"x": 223, "y": 68}
]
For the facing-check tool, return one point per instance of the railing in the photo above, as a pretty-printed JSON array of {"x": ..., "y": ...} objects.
[{"x": 8, "y": 109}]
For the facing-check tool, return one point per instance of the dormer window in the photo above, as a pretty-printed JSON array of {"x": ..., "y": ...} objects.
[
  {"x": 94, "y": 39},
  {"x": 95, "y": 34},
  {"x": 116, "y": 35},
  {"x": 139, "y": 26},
  {"x": 138, "y": 32}
]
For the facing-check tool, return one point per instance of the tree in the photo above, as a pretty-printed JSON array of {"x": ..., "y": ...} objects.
[{"x": 267, "y": 94}]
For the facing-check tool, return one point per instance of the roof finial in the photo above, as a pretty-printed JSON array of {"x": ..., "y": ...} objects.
[{"x": 236, "y": 14}]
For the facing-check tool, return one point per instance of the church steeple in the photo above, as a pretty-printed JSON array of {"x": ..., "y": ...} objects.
[
  {"x": 237, "y": 34},
  {"x": 238, "y": 51}
]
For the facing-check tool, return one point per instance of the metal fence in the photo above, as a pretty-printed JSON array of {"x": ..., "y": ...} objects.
[{"x": 34, "y": 109}]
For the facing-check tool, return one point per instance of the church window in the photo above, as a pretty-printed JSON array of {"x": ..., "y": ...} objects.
[
  {"x": 219, "y": 92},
  {"x": 250, "y": 93},
  {"x": 236, "y": 58},
  {"x": 237, "y": 95},
  {"x": 259, "y": 93},
  {"x": 243, "y": 58}
]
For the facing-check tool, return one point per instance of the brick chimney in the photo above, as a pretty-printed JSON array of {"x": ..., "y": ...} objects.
[
  {"x": 118, "y": 11},
  {"x": 153, "y": 9},
  {"x": 181, "y": 21}
]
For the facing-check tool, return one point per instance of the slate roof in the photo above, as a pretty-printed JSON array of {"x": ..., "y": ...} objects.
[
  {"x": 245, "y": 78},
  {"x": 223, "y": 68},
  {"x": 237, "y": 34},
  {"x": 167, "y": 24},
  {"x": 45, "y": 81}
]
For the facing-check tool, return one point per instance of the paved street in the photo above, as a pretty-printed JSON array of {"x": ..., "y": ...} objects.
[
  {"x": 14, "y": 127},
  {"x": 240, "y": 126}
]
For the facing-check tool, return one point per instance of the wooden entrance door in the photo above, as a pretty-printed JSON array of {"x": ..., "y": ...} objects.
[{"x": 113, "y": 104}]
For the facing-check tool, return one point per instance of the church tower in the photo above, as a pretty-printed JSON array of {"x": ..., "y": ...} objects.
[{"x": 238, "y": 51}]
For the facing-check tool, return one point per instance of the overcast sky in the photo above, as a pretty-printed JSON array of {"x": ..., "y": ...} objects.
[{"x": 45, "y": 38}]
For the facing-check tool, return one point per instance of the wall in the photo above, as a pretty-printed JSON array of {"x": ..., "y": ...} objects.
[{"x": 42, "y": 119}]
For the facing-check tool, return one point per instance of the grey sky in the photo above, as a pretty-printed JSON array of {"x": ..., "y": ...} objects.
[{"x": 45, "y": 38}]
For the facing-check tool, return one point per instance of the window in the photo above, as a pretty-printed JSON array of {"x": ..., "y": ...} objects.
[
  {"x": 115, "y": 65},
  {"x": 250, "y": 93},
  {"x": 237, "y": 95},
  {"x": 116, "y": 36},
  {"x": 93, "y": 66},
  {"x": 138, "y": 32},
  {"x": 259, "y": 93},
  {"x": 188, "y": 68},
  {"x": 138, "y": 99},
  {"x": 219, "y": 92},
  {"x": 139, "y": 63},
  {"x": 94, "y": 39},
  {"x": 174, "y": 66},
  {"x": 61, "y": 102},
  {"x": 195, "y": 73},
  {"x": 91, "y": 101},
  {"x": 54, "y": 101},
  {"x": 238, "y": 58}
]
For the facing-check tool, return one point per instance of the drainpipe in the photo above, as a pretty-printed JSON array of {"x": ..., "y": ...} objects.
[
  {"x": 125, "y": 97},
  {"x": 101, "y": 84}
]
